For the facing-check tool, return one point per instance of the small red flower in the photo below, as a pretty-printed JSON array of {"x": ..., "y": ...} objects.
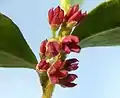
[
  {"x": 55, "y": 72},
  {"x": 58, "y": 72},
  {"x": 74, "y": 15},
  {"x": 70, "y": 43},
  {"x": 43, "y": 65},
  {"x": 53, "y": 48},
  {"x": 43, "y": 48},
  {"x": 55, "y": 17}
]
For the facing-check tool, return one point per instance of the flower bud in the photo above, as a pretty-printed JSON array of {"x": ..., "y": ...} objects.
[
  {"x": 55, "y": 17},
  {"x": 70, "y": 43},
  {"x": 43, "y": 48},
  {"x": 58, "y": 73},
  {"x": 53, "y": 48},
  {"x": 42, "y": 66},
  {"x": 55, "y": 72},
  {"x": 74, "y": 15}
]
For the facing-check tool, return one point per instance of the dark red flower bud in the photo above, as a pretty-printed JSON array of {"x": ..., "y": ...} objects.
[
  {"x": 70, "y": 43},
  {"x": 43, "y": 65},
  {"x": 58, "y": 74},
  {"x": 66, "y": 82},
  {"x": 72, "y": 10},
  {"x": 53, "y": 48},
  {"x": 74, "y": 15},
  {"x": 43, "y": 48},
  {"x": 55, "y": 72},
  {"x": 71, "y": 64},
  {"x": 55, "y": 17}
]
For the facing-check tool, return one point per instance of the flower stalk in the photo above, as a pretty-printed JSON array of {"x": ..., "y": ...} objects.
[
  {"x": 48, "y": 90},
  {"x": 54, "y": 33},
  {"x": 54, "y": 67}
]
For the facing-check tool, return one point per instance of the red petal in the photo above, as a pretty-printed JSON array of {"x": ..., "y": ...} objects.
[
  {"x": 43, "y": 65},
  {"x": 57, "y": 11},
  {"x": 58, "y": 16},
  {"x": 69, "y": 85},
  {"x": 62, "y": 74},
  {"x": 73, "y": 60},
  {"x": 75, "y": 8},
  {"x": 50, "y": 15},
  {"x": 54, "y": 80},
  {"x": 43, "y": 47},
  {"x": 75, "y": 17},
  {"x": 71, "y": 77},
  {"x": 66, "y": 49},
  {"x": 71, "y": 64},
  {"x": 67, "y": 39},
  {"x": 75, "y": 39},
  {"x": 72, "y": 67},
  {"x": 69, "y": 43},
  {"x": 67, "y": 80},
  {"x": 58, "y": 65},
  {"x": 61, "y": 16},
  {"x": 71, "y": 38},
  {"x": 75, "y": 48},
  {"x": 55, "y": 20},
  {"x": 69, "y": 13},
  {"x": 53, "y": 48}
]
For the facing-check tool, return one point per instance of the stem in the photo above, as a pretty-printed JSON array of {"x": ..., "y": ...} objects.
[
  {"x": 54, "y": 33},
  {"x": 47, "y": 87},
  {"x": 48, "y": 90},
  {"x": 64, "y": 31}
]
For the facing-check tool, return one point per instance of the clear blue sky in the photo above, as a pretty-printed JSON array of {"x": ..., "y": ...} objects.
[{"x": 99, "y": 72}]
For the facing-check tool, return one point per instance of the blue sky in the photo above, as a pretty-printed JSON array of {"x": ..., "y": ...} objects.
[{"x": 99, "y": 67}]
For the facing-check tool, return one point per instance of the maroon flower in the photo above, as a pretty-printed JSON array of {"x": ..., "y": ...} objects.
[
  {"x": 55, "y": 17},
  {"x": 53, "y": 48},
  {"x": 55, "y": 72},
  {"x": 43, "y": 48},
  {"x": 70, "y": 43},
  {"x": 43, "y": 65},
  {"x": 67, "y": 81},
  {"x": 71, "y": 64},
  {"x": 58, "y": 72},
  {"x": 74, "y": 15}
]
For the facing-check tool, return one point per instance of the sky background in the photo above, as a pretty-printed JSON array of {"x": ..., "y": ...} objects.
[{"x": 99, "y": 72}]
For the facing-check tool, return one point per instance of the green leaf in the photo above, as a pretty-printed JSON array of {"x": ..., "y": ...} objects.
[
  {"x": 103, "y": 18},
  {"x": 106, "y": 38},
  {"x": 14, "y": 51}
]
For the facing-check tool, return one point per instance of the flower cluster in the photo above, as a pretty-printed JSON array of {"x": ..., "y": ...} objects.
[{"x": 53, "y": 51}]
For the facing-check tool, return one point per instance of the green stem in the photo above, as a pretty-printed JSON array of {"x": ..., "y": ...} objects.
[
  {"x": 64, "y": 31},
  {"x": 54, "y": 34},
  {"x": 48, "y": 90}
]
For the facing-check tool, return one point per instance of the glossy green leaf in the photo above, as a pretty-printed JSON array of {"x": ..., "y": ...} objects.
[
  {"x": 103, "y": 18},
  {"x": 106, "y": 38},
  {"x": 14, "y": 51}
]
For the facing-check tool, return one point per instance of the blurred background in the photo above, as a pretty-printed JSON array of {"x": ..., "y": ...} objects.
[{"x": 99, "y": 72}]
